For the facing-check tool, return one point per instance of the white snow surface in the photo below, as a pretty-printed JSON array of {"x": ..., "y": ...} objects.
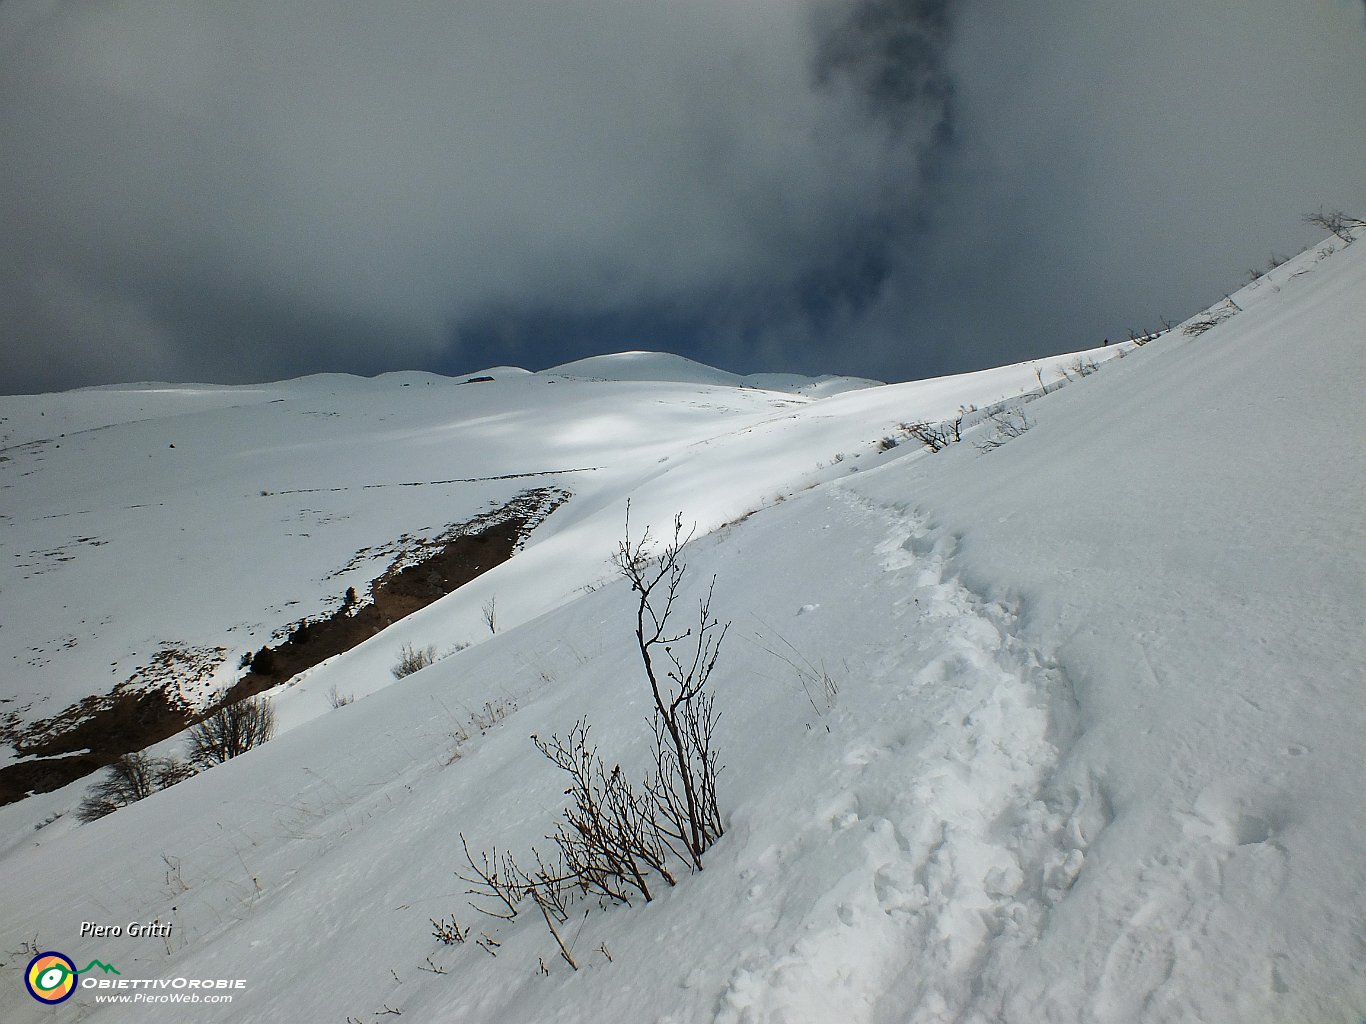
[
  {"x": 664, "y": 366},
  {"x": 1092, "y": 749}
]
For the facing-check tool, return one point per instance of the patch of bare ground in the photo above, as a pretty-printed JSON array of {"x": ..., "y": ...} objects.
[
  {"x": 148, "y": 707},
  {"x": 144, "y": 708}
]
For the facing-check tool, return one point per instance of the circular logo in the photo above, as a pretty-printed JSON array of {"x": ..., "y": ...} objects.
[{"x": 51, "y": 977}]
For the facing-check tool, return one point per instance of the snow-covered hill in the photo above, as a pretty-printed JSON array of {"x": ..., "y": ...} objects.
[{"x": 1071, "y": 729}]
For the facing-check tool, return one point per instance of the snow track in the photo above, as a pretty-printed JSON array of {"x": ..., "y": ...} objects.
[{"x": 940, "y": 844}]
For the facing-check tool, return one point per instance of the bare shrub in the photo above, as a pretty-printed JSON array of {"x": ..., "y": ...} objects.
[
  {"x": 412, "y": 659},
  {"x": 490, "y": 614},
  {"x": 232, "y": 730},
  {"x": 1084, "y": 367},
  {"x": 1336, "y": 222},
  {"x": 615, "y": 840},
  {"x": 684, "y": 784},
  {"x": 449, "y": 932},
  {"x": 609, "y": 839},
  {"x": 1212, "y": 318},
  {"x": 131, "y": 778},
  {"x": 1006, "y": 424},
  {"x": 95, "y": 807},
  {"x": 938, "y": 436},
  {"x": 493, "y": 712},
  {"x": 956, "y": 424},
  {"x": 337, "y": 699},
  {"x": 171, "y": 770},
  {"x": 935, "y": 437}
]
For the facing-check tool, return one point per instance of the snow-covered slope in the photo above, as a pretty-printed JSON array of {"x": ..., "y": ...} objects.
[
  {"x": 203, "y": 521},
  {"x": 664, "y": 366},
  {"x": 1091, "y": 746}
]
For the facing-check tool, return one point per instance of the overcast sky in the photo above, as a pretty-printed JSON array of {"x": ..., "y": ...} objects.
[{"x": 231, "y": 192}]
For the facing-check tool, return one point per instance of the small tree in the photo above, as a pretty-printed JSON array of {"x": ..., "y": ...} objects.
[
  {"x": 232, "y": 730},
  {"x": 678, "y": 667},
  {"x": 615, "y": 839}
]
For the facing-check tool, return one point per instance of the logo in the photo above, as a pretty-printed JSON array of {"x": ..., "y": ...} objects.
[{"x": 51, "y": 977}]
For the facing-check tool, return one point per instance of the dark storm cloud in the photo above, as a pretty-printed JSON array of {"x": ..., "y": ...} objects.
[
  {"x": 1115, "y": 163},
  {"x": 890, "y": 187},
  {"x": 235, "y": 190}
]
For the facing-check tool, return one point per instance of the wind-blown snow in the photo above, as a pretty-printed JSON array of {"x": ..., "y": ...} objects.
[{"x": 1093, "y": 750}]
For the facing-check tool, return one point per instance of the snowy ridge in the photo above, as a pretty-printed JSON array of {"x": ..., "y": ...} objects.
[
  {"x": 663, "y": 366},
  {"x": 1089, "y": 750}
]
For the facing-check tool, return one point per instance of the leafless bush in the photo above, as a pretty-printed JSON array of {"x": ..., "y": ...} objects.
[
  {"x": 684, "y": 786},
  {"x": 1084, "y": 366},
  {"x": 171, "y": 770},
  {"x": 449, "y": 932},
  {"x": 411, "y": 659},
  {"x": 1336, "y": 222},
  {"x": 498, "y": 878},
  {"x": 131, "y": 778},
  {"x": 956, "y": 424},
  {"x": 338, "y": 699},
  {"x": 618, "y": 841},
  {"x": 1203, "y": 323},
  {"x": 1212, "y": 318},
  {"x": 1006, "y": 424},
  {"x": 934, "y": 436},
  {"x": 232, "y": 730},
  {"x": 490, "y": 613},
  {"x": 610, "y": 839},
  {"x": 493, "y": 712}
]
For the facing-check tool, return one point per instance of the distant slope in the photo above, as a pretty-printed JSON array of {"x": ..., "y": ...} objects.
[
  {"x": 663, "y": 366},
  {"x": 156, "y": 535}
]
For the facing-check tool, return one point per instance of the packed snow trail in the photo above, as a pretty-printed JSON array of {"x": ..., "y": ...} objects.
[
  {"x": 937, "y": 844},
  {"x": 1184, "y": 531}
]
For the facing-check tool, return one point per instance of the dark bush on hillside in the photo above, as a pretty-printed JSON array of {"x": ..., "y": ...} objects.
[{"x": 263, "y": 663}]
